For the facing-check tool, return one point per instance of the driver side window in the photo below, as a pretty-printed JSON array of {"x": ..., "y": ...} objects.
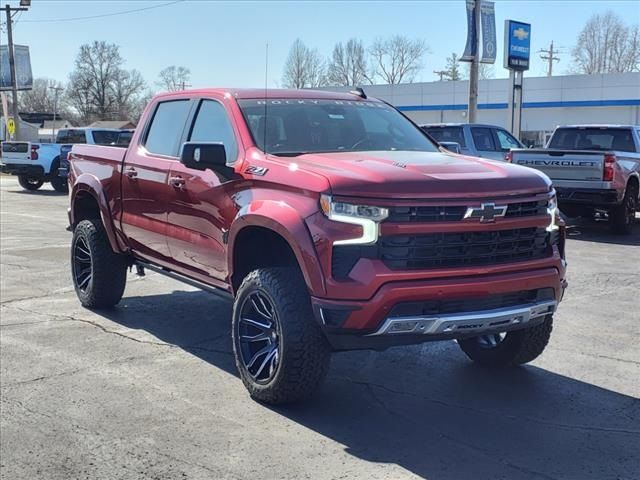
[
  {"x": 212, "y": 125},
  {"x": 506, "y": 140}
]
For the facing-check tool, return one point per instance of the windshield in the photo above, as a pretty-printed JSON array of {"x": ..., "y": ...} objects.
[
  {"x": 593, "y": 139},
  {"x": 297, "y": 126}
]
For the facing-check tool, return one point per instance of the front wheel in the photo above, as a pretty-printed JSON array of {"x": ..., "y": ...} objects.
[
  {"x": 280, "y": 352},
  {"x": 30, "y": 183},
  {"x": 511, "y": 348},
  {"x": 99, "y": 274},
  {"x": 59, "y": 184}
]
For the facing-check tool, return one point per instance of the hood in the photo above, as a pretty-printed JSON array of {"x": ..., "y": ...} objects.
[{"x": 407, "y": 174}]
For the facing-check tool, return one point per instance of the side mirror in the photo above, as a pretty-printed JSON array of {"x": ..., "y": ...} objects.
[
  {"x": 451, "y": 146},
  {"x": 203, "y": 155}
]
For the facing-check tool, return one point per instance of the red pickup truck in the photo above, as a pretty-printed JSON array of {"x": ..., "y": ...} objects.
[{"x": 333, "y": 221}]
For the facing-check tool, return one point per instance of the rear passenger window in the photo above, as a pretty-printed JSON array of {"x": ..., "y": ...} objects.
[
  {"x": 212, "y": 125},
  {"x": 483, "y": 139},
  {"x": 166, "y": 127},
  {"x": 447, "y": 134}
]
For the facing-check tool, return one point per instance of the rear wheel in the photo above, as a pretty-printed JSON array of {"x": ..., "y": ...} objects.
[
  {"x": 30, "y": 183},
  {"x": 623, "y": 216},
  {"x": 511, "y": 348},
  {"x": 280, "y": 351},
  {"x": 99, "y": 274}
]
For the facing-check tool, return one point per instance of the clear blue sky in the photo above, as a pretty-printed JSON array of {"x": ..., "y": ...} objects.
[{"x": 223, "y": 43}]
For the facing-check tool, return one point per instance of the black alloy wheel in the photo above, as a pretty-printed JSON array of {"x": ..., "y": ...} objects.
[
  {"x": 82, "y": 265},
  {"x": 259, "y": 336}
]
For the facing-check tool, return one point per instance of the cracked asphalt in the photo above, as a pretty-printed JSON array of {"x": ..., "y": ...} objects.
[{"x": 149, "y": 390}]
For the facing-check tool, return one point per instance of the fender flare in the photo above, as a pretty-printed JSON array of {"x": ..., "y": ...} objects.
[
  {"x": 286, "y": 222},
  {"x": 87, "y": 184}
]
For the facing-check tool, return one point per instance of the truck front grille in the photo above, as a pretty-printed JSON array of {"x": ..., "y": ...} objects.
[
  {"x": 427, "y": 214},
  {"x": 447, "y": 250}
]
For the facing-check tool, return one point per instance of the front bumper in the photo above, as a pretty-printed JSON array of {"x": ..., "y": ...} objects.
[
  {"x": 22, "y": 169},
  {"x": 375, "y": 324},
  {"x": 586, "y": 196}
]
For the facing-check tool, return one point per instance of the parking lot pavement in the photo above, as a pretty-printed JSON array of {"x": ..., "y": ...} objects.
[{"x": 149, "y": 390}]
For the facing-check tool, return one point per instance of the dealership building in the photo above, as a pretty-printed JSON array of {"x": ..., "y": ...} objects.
[{"x": 548, "y": 101}]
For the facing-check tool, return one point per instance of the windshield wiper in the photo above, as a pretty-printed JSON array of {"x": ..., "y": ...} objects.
[{"x": 288, "y": 154}]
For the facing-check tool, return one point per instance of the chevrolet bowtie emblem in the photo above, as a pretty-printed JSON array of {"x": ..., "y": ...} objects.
[
  {"x": 520, "y": 33},
  {"x": 487, "y": 212}
]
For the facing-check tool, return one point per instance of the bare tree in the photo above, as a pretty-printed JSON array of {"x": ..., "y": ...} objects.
[
  {"x": 99, "y": 88},
  {"x": 127, "y": 88},
  {"x": 398, "y": 59},
  {"x": 348, "y": 64},
  {"x": 452, "y": 70},
  {"x": 174, "y": 78},
  {"x": 42, "y": 96},
  {"x": 607, "y": 45},
  {"x": 304, "y": 68}
]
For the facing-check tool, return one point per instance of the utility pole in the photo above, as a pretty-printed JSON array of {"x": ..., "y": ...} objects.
[
  {"x": 473, "y": 71},
  {"x": 55, "y": 109},
  {"x": 441, "y": 73},
  {"x": 184, "y": 85},
  {"x": 12, "y": 68},
  {"x": 551, "y": 56}
]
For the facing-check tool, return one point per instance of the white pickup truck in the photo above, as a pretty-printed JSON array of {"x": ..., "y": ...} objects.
[
  {"x": 37, "y": 163},
  {"x": 593, "y": 168}
]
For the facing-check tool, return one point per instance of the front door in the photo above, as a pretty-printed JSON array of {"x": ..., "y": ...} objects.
[
  {"x": 145, "y": 176},
  {"x": 201, "y": 207}
]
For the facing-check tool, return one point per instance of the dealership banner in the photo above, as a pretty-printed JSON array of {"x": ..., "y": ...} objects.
[
  {"x": 472, "y": 34},
  {"x": 488, "y": 22},
  {"x": 24, "y": 77}
]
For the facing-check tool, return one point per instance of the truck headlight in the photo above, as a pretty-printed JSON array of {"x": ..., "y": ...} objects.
[
  {"x": 366, "y": 216},
  {"x": 552, "y": 210}
]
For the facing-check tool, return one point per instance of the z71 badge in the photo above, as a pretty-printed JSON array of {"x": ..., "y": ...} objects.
[{"x": 260, "y": 171}]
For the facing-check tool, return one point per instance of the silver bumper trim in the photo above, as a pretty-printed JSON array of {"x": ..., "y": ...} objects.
[{"x": 501, "y": 319}]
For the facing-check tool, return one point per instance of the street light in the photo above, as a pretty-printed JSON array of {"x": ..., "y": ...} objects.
[{"x": 25, "y": 3}]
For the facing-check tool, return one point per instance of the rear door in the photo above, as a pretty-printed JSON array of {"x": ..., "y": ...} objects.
[
  {"x": 145, "y": 189},
  {"x": 201, "y": 205},
  {"x": 486, "y": 144}
]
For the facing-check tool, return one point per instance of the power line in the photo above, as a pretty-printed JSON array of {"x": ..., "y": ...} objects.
[{"x": 124, "y": 12}]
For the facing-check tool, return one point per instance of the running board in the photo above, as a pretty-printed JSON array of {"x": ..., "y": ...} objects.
[{"x": 184, "y": 279}]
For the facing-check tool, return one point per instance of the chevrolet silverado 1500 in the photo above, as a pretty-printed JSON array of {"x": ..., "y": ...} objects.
[
  {"x": 333, "y": 221},
  {"x": 592, "y": 167}
]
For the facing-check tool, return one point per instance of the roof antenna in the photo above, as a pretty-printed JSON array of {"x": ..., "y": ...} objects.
[
  {"x": 359, "y": 92},
  {"x": 266, "y": 71}
]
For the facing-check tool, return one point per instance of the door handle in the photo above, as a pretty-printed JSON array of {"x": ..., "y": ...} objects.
[
  {"x": 131, "y": 172},
  {"x": 176, "y": 182}
]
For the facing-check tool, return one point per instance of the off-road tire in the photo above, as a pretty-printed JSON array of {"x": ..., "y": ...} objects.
[
  {"x": 517, "y": 347},
  {"x": 622, "y": 217},
  {"x": 30, "y": 183},
  {"x": 108, "y": 269},
  {"x": 58, "y": 183},
  {"x": 304, "y": 355}
]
